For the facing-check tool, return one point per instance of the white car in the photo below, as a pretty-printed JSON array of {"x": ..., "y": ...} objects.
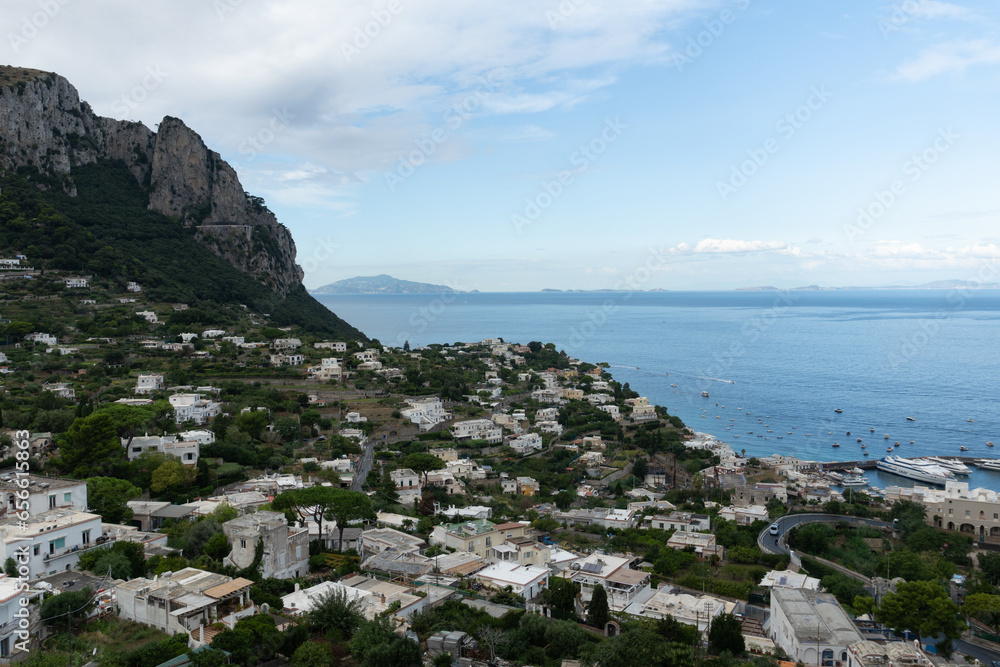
[{"x": 773, "y": 529}]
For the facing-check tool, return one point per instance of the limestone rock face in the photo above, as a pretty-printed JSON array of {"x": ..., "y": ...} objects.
[{"x": 43, "y": 124}]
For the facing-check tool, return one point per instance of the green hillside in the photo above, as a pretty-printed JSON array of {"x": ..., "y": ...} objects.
[{"x": 106, "y": 231}]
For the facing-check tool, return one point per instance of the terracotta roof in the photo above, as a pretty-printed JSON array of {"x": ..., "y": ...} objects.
[
  {"x": 221, "y": 590},
  {"x": 508, "y": 526}
]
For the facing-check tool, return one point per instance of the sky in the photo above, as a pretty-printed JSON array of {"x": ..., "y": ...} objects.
[{"x": 574, "y": 144}]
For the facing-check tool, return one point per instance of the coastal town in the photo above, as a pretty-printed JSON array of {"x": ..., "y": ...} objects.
[{"x": 205, "y": 486}]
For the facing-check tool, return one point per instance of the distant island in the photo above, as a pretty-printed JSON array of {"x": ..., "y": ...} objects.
[
  {"x": 381, "y": 284},
  {"x": 937, "y": 284}
]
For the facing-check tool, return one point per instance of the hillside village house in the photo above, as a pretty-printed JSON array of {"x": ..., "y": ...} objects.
[
  {"x": 286, "y": 548},
  {"x": 477, "y": 429},
  {"x": 286, "y": 343},
  {"x": 336, "y": 346},
  {"x": 641, "y": 409},
  {"x": 526, "y": 444},
  {"x": 446, "y": 454},
  {"x": 10, "y": 596},
  {"x": 759, "y": 493},
  {"x": 527, "y": 581},
  {"x": 329, "y": 369},
  {"x": 615, "y": 573},
  {"x": 287, "y": 359},
  {"x": 147, "y": 383},
  {"x": 704, "y": 544},
  {"x": 476, "y": 536},
  {"x": 133, "y": 287},
  {"x": 466, "y": 468},
  {"x": 744, "y": 516},
  {"x": 76, "y": 282},
  {"x": 692, "y": 610},
  {"x": 680, "y": 521},
  {"x": 60, "y": 389},
  {"x": 43, "y": 338},
  {"x": 371, "y": 354},
  {"x": 149, "y": 316},
  {"x": 193, "y": 407},
  {"x": 44, "y": 493},
  {"x": 426, "y": 412},
  {"x": 811, "y": 627},
  {"x": 407, "y": 484},
  {"x": 53, "y": 539},
  {"x": 186, "y": 451},
  {"x": 185, "y": 602}
]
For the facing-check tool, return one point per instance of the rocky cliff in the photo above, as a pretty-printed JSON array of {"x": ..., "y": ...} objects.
[{"x": 43, "y": 124}]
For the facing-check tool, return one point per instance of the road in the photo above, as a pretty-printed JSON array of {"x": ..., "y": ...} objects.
[
  {"x": 364, "y": 467},
  {"x": 779, "y": 544},
  {"x": 976, "y": 648}
]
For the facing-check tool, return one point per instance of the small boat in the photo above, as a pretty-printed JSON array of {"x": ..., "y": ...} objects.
[
  {"x": 673, "y": 385},
  {"x": 704, "y": 394},
  {"x": 848, "y": 433},
  {"x": 989, "y": 444},
  {"x": 864, "y": 453},
  {"x": 971, "y": 421},
  {"x": 859, "y": 439},
  {"x": 836, "y": 444},
  {"x": 963, "y": 448},
  {"x": 910, "y": 419},
  {"x": 780, "y": 437},
  {"x": 911, "y": 442},
  {"x": 886, "y": 436},
  {"x": 888, "y": 449},
  {"x": 872, "y": 429},
  {"x": 838, "y": 411},
  {"x": 896, "y": 445},
  {"x": 863, "y": 445}
]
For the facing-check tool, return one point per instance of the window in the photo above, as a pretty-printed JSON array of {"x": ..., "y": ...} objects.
[
  {"x": 67, "y": 497},
  {"x": 85, "y": 537},
  {"x": 36, "y": 550},
  {"x": 52, "y": 501},
  {"x": 470, "y": 545},
  {"x": 243, "y": 544},
  {"x": 967, "y": 513},
  {"x": 489, "y": 541},
  {"x": 57, "y": 544}
]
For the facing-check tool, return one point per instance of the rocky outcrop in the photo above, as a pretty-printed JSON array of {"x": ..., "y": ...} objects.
[{"x": 43, "y": 124}]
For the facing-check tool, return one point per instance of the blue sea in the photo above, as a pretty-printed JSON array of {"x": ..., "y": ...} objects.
[{"x": 775, "y": 364}]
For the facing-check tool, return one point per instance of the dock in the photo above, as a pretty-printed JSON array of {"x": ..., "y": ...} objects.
[{"x": 869, "y": 464}]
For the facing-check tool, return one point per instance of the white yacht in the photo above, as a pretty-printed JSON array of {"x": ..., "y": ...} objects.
[
  {"x": 855, "y": 480},
  {"x": 988, "y": 464},
  {"x": 917, "y": 469},
  {"x": 952, "y": 465}
]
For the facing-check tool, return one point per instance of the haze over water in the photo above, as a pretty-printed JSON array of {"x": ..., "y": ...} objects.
[{"x": 788, "y": 359}]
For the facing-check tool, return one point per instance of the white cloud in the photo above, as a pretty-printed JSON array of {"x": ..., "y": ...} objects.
[
  {"x": 954, "y": 56},
  {"x": 933, "y": 9},
  {"x": 728, "y": 246}
]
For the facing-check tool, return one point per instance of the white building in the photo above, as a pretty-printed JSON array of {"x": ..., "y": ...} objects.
[
  {"x": 76, "y": 282},
  {"x": 287, "y": 359},
  {"x": 477, "y": 429},
  {"x": 336, "y": 346},
  {"x": 526, "y": 444},
  {"x": 789, "y": 579},
  {"x": 185, "y": 602},
  {"x": 286, "y": 343},
  {"x": 44, "y": 338},
  {"x": 641, "y": 409},
  {"x": 810, "y": 626},
  {"x": 527, "y": 581},
  {"x": 286, "y": 548},
  {"x": 185, "y": 451},
  {"x": 51, "y": 541},
  {"x": 149, "y": 316},
  {"x": 426, "y": 412},
  {"x": 44, "y": 493},
  {"x": 680, "y": 521},
  {"x": 329, "y": 369},
  {"x": 611, "y": 410},
  {"x": 10, "y": 603},
  {"x": 698, "y": 611},
  {"x": 147, "y": 383},
  {"x": 193, "y": 407},
  {"x": 61, "y": 389},
  {"x": 745, "y": 516},
  {"x": 133, "y": 287},
  {"x": 614, "y": 573}
]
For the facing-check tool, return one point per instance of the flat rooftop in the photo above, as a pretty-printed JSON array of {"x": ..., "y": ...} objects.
[
  {"x": 9, "y": 479},
  {"x": 815, "y": 617}
]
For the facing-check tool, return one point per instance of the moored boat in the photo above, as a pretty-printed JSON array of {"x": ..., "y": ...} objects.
[
  {"x": 916, "y": 469},
  {"x": 952, "y": 465}
]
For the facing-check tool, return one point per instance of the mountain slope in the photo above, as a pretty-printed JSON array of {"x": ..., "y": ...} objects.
[
  {"x": 168, "y": 181},
  {"x": 380, "y": 284}
]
